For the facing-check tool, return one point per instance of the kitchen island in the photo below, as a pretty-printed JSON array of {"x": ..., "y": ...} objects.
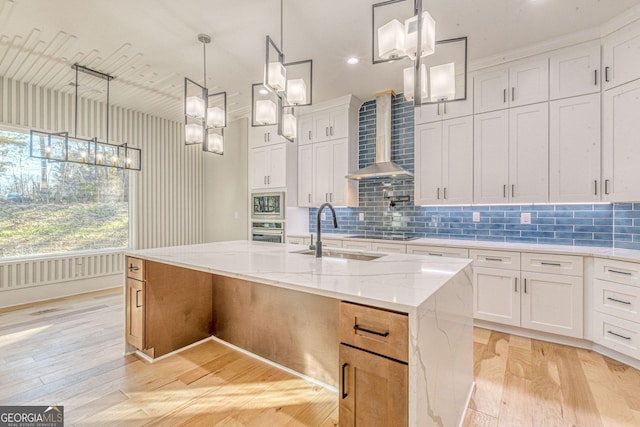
[{"x": 388, "y": 323}]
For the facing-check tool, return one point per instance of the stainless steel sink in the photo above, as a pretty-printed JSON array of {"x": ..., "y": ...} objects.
[{"x": 330, "y": 253}]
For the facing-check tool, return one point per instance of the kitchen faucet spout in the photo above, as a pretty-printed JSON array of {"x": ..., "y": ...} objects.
[{"x": 318, "y": 229}]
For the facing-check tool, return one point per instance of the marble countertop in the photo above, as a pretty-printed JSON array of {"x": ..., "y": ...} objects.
[
  {"x": 395, "y": 281},
  {"x": 611, "y": 253}
]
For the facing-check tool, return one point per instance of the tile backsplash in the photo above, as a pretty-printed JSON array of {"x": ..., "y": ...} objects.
[{"x": 602, "y": 224}]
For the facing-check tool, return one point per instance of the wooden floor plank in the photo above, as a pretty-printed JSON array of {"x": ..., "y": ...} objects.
[
  {"x": 545, "y": 385},
  {"x": 490, "y": 377}
]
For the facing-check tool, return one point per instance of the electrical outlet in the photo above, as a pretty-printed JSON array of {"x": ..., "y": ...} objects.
[
  {"x": 361, "y": 216},
  {"x": 525, "y": 218},
  {"x": 476, "y": 217},
  {"x": 323, "y": 216}
]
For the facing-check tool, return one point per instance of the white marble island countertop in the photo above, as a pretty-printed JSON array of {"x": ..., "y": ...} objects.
[{"x": 399, "y": 282}]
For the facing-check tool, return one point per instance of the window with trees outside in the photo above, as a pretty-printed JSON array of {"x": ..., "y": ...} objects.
[{"x": 49, "y": 207}]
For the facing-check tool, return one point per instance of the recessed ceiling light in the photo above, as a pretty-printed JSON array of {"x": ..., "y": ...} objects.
[{"x": 353, "y": 60}]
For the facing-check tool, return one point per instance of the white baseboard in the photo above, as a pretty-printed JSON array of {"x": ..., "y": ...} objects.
[{"x": 32, "y": 294}]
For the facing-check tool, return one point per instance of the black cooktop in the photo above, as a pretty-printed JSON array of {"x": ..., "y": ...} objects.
[{"x": 398, "y": 237}]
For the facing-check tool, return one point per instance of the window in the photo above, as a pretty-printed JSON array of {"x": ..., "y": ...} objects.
[{"x": 49, "y": 207}]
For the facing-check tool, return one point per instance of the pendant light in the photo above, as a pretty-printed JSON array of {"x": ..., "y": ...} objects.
[{"x": 205, "y": 114}]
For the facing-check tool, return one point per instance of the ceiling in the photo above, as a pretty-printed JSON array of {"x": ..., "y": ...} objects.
[{"x": 151, "y": 45}]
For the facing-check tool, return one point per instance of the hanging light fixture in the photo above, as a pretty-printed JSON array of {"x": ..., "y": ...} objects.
[
  {"x": 205, "y": 114},
  {"x": 60, "y": 147},
  {"x": 285, "y": 86},
  {"x": 408, "y": 36}
]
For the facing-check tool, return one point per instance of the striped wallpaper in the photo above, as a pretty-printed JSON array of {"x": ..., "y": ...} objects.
[{"x": 167, "y": 196}]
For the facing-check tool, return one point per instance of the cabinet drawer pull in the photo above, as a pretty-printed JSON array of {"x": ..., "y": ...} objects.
[
  {"x": 132, "y": 268},
  {"x": 618, "y": 335},
  {"x": 606, "y": 74},
  {"x": 434, "y": 254},
  {"x": 493, "y": 259},
  {"x": 554, "y": 264},
  {"x": 137, "y": 302},
  {"x": 357, "y": 327},
  {"x": 344, "y": 369},
  {"x": 624, "y": 273},
  {"x": 618, "y": 300},
  {"x": 595, "y": 77}
]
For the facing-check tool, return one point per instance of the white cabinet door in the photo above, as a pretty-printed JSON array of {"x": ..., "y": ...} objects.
[
  {"x": 339, "y": 169},
  {"x": 552, "y": 303},
  {"x": 305, "y": 175},
  {"x": 428, "y": 167},
  {"x": 339, "y": 126},
  {"x": 621, "y": 150},
  {"x": 321, "y": 126},
  {"x": 305, "y": 130},
  {"x": 491, "y": 157},
  {"x": 496, "y": 295},
  {"x": 457, "y": 160},
  {"x": 574, "y": 149},
  {"x": 529, "y": 153},
  {"x": 621, "y": 57},
  {"x": 529, "y": 81},
  {"x": 427, "y": 113},
  {"x": 259, "y": 167},
  {"x": 322, "y": 172},
  {"x": 575, "y": 71},
  {"x": 490, "y": 90},
  {"x": 266, "y": 135},
  {"x": 277, "y": 176}
]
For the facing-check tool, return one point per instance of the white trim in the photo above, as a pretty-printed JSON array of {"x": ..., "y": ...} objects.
[
  {"x": 620, "y": 21},
  {"x": 47, "y": 257},
  {"x": 27, "y": 295},
  {"x": 557, "y": 339},
  {"x": 164, "y": 356}
]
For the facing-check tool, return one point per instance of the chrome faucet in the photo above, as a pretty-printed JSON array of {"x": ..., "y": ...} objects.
[{"x": 319, "y": 231}]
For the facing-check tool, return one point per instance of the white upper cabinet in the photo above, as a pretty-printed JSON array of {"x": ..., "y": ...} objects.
[
  {"x": 332, "y": 124},
  {"x": 511, "y": 85},
  {"x": 491, "y": 157},
  {"x": 446, "y": 110},
  {"x": 621, "y": 57},
  {"x": 621, "y": 149},
  {"x": 266, "y": 135},
  {"x": 574, "y": 149},
  {"x": 269, "y": 167},
  {"x": 305, "y": 130},
  {"x": 575, "y": 71},
  {"x": 444, "y": 162},
  {"x": 529, "y": 153},
  {"x": 330, "y": 165}
]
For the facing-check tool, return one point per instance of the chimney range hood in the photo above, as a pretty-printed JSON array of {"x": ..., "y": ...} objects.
[{"x": 383, "y": 167}]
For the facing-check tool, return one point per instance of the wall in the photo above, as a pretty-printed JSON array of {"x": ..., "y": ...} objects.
[
  {"x": 603, "y": 224},
  {"x": 225, "y": 187}
]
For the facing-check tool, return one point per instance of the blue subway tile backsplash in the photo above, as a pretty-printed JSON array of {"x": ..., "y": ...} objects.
[{"x": 605, "y": 224}]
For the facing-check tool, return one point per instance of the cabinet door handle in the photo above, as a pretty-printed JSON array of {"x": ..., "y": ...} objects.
[
  {"x": 525, "y": 285},
  {"x": 504, "y": 96},
  {"x": 438, "y": 193},
  {"x": 493, "y": 259},
  {"x": 513, "y": 190},
  {"x": 606, "y": 74},
  {"x": 137, "y": 302},
  {"x": 326, "y": 197},
  {"x": 309, "y": 135},
  {"x": 269, "y": 179},
  {"x": 444, "y": 193},
  {"x": 625, "y": 273},
  {"x": 264, "y": 137},
  {"x": 445, "y": 108},
  {"x": 331, "y": 130},
  {"x": 264, "y": 180},
  {"x": 357, "y": 327},
  {"x": 326, "y": 131},
  {"x": 554, "y": 264},
  {"x": 309, "y": 197},
  {"x": 595, "y": 187},
  {"x": 618, "y": 300},
  {"x": 513, "y": 93},
  {"x": 516, "y": 283},
  {"x": 618, "y": 335},
  {"x": 595, "y": 77},
  {"x": 504, "y": 191},
  {"x": 606, "y": 186},
  {"x": 331, "y": 197},
  {"x": 344, "y": 371},
  {"x": 132, "y": 268},
  {"x": 438, "y": 105}
]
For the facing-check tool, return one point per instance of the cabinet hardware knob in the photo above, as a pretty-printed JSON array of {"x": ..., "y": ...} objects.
[
  {"x": 132, "y": 268},
  {"x": 344, "y": 369},
  {"x": 625, "y": 273},
  {"x": 357, "y": 327},
  {"x": 618, "y": 300},
  {"x": 618, "y": 335}
]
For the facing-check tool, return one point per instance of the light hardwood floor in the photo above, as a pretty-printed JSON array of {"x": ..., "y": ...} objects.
[{"x": 69, "y": 352}]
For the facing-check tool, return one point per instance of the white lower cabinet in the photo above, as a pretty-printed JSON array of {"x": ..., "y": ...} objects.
[
  {"x": 496, "y": 296},
  {"x": 443, "y": 251}
]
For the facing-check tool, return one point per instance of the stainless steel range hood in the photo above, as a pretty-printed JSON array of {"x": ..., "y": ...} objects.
[{"x": 383, "y": 167}]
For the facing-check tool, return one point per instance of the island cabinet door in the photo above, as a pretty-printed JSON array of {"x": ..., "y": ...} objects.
[
  {"x": 135, "y": 313},
  {"x": 373, "y": 390}
]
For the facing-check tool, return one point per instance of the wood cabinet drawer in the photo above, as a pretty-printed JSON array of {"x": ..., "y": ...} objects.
[
  {"x": 438, "y": 251},
  {"x": 135, "y": 268},
  {"x": 395, "y": 248},
  {"x": 617, "y": 299},
  {"x": 379, "y": 331},
  {"x": 627, "y": 273},
  {"x": 570, "y": 265},
  {"x": 618, "y": 334},
  {"x": 495, "y": 259}
]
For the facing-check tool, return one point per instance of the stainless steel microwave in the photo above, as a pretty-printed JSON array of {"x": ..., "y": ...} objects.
[{"x": 267, "y": 205}]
